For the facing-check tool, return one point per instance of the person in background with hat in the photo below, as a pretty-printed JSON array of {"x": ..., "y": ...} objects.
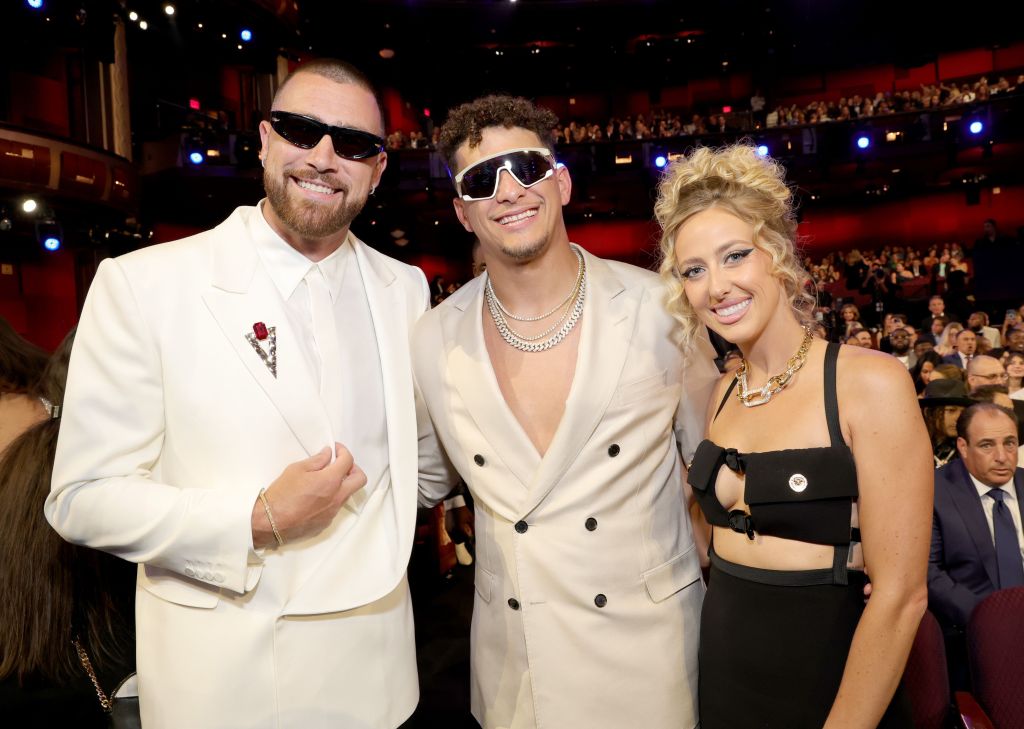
[
  {"x": 976, "y": 532},
  {"x": 943, "y": 401}
]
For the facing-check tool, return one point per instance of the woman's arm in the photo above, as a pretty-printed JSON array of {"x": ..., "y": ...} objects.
[{"x": 895, "y": 478}]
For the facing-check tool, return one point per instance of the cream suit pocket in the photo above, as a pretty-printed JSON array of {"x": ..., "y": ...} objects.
[
  {"x": 483, "y": 582},
  {"x": 639, "y": 389},
  {"x": 669, "y": 578},
  {"x": 180, "y": 590}
]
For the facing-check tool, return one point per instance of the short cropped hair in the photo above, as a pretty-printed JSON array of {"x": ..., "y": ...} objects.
[
  {"x": 963, "y": 423},
  {"x": 338, "y": 71},
  {"x": 466, "y": 123},
  {"x": 753, "y": 188}
]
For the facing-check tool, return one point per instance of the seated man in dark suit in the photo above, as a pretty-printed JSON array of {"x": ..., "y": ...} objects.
[
  {"x": 976, "y": 532},
  {"x": 966, "y": 345}
]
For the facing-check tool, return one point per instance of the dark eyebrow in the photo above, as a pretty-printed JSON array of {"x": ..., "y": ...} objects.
[{"x": 718, "y": 251}]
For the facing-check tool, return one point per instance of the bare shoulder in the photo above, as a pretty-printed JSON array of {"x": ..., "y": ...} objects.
[{"x": 871, "y": 376}]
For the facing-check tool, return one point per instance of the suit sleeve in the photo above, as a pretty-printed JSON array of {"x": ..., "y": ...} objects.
[
  {"x": 104, "y": 492},
  {"x": 952, "y": 601}
]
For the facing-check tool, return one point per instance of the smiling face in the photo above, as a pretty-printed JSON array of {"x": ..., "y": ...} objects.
[
  {"x": 314, "y": 193},
  {"x": 726, "y": 279},
  {"x": 518, "y": 223}
]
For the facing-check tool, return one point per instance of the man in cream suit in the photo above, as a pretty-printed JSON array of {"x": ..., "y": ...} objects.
[
  {"x": 554, "y": 386},
  {"x": 212, "y": 385}
]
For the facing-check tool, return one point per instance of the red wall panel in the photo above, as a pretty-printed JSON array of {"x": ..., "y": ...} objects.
[
  {"x": 959, "y": 64},
  {"x": 910, "y": 79},
  {"x": 1005, "y": 59},
  {"x": 401, "y": 115},
  {"x": 39, "y": 103}
]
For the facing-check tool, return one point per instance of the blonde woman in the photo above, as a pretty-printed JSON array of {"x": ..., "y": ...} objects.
[
  {"x": 947, "y": 339},
  {"x": 812, "y": 449}
]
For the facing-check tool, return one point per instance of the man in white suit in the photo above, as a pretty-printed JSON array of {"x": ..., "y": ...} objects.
[
  {"x": 212, "y": 384},
  {"x": 556, "y": 390}
]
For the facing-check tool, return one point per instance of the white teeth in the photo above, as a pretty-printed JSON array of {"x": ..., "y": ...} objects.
[
  {"x": 515, "y": 218},
  {"x": 730, "y": 310},
  {"x": 305, "y": 185}
]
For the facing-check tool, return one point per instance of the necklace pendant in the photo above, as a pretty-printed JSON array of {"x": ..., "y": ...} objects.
[{"x": 753, "y": 399}]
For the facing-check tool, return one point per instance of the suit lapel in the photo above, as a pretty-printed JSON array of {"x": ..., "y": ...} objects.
[
  {"x": 965, "y": 497},
  {"x": 386, "y": 310},
  {"x": 242, "y": 294},
  {"x": 471, "y": 373},
  {"x": 608, "y": 322}
]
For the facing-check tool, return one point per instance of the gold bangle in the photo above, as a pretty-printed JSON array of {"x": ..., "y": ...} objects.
[{"x": 270, "y": 517}]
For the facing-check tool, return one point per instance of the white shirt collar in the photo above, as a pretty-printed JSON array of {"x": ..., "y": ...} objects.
[
  {"x": 286, "y": 266},
  {"x": 1011, "y": 494}
]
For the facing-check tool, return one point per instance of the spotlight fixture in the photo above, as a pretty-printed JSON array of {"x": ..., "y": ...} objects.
[
  {"x": 143, "y": 25},
  {"x": 29, "y": 205},
  {"x": 49, "y": 234},
  {"x": 660, "y": 161},
  {"x": 133, "y": 16},
  {"x": 863, "y": 141},
  {"x": 169, "y": 9},
  {"x": 34, "y": 4},
  {"x": 762, "y": 150},
  {"x": 5, "y": 221},
  {"x": 196, "y": 158},
  {"x": 976, "y": 127},
  {"x": 245, "y": 35}
]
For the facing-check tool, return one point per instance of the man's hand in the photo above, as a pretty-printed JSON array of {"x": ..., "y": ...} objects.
[{"x": 306, "y": 496}]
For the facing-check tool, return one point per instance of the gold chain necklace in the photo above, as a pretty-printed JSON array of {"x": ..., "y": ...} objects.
[{"x": 775, "y": 383}]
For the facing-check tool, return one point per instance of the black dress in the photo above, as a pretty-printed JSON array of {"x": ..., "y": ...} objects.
[{"x": 774, "y": 644}]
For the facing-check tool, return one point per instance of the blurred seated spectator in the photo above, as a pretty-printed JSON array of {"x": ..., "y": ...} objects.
[
  {"x": 55, "y": 593},
  {"x": 995, "y": 394},
  {"x": 984, "y": 370},
  {"x": 943, "y": 401},
  {"x": 21, "y": 364},
  {"x": 977, "y": 322},
  {"x": 946, "y": 344},
  {"x": 1015, "y": 375},
  {"x": 964, "y": 347},
  {"x": 924, "y": 369},
  {"x": 946, "y": 371},
  {"x": 861, "y": 338}
]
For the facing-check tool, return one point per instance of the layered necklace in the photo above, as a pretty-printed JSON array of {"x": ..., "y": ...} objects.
[
  {"x": 776, "y": 383},
  {"x": 571, "y": 307}
]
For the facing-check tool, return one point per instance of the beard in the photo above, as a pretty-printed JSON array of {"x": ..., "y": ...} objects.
[
  {"x": 305, "y": 217},
  {"x": 524, "y": 253}
]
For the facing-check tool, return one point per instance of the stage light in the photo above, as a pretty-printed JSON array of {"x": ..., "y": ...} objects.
[
  {"x": 133, "y": 16},
  {"x": 169, "y": 9},
  {"x": 34, "y": 4},
  {"x": 245, "y": 35},
  {"x": 762, "y": 150},
  {"x": 976, "y": 127},
  {"x": 193, "y": 104},
  {"x": 660, "y": 161},
  {"x": 49, "y": 234},
  {"x": 863, "y": 141},
  {"x": 29, "y": 205},
  {"x": 143, "y": 25},
  {"x": 196, "y": 158}
]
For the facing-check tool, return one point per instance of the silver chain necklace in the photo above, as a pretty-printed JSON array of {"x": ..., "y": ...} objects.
[
  {"x": 572, "y": 292},
  {"x": 567, "y": 320}
]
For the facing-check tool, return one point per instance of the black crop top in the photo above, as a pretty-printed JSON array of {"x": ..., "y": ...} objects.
[{"x": 801, "y": 493}]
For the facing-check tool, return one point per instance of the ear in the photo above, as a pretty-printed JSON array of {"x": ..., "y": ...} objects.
[
  {"x": 961, "y": 446},
  {"x": 380, "y": 164},
  {"x": 265, "y": 130},
  {"x": 564, "y": 183},
  {"x": 460, "y": 213}
]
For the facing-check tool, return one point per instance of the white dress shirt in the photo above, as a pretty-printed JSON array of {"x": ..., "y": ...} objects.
[
  {"x": 362, "y": 427},
  {"x": 1011, "y": 504}
]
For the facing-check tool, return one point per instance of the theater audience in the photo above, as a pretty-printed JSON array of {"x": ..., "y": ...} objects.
[
  {"x": 924, "y": 369},
  {"x": 977, "y": 322},
  {"x": 946, "y": 344},
  {"x": 54, "y": 592}
]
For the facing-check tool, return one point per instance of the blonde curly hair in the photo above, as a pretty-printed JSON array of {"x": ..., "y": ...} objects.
[{"x": 753, "y": 188}]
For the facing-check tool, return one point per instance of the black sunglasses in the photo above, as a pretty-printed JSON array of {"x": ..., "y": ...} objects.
[{"x": 306, "y": 133}]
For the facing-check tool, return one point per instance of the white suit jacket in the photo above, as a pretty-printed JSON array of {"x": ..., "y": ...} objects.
[
  {"x": 588, "y": 585},
  {"x": 171, "y": 426}
]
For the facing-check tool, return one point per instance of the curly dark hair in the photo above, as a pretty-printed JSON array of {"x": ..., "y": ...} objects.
[{"x": 466, "y": 123}]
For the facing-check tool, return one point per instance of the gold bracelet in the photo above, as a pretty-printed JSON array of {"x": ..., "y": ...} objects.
[{"x": 270, "y": 517}]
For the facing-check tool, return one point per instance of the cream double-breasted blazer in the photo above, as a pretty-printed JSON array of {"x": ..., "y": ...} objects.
[
  {"x": 588, "y": 585},
  {"x": 172, "y": 424}
]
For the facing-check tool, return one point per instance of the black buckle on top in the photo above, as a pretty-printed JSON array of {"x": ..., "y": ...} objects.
[{"x": 740, "y": 521}]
